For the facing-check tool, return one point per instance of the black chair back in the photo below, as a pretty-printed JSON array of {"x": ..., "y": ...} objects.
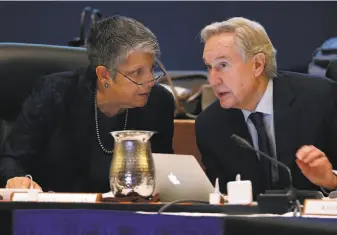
[{"x": 21, "y": 64}]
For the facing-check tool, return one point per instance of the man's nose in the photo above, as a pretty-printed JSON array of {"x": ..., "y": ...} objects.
[{"x": 214, "y": 77}]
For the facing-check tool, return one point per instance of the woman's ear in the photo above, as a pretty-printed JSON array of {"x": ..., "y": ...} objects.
[{"x": 103, "y": 75}]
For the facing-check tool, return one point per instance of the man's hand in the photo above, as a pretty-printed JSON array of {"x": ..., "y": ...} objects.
[
  {"x": 21, "y": 182},
  {"x": 315, "y": 165}
]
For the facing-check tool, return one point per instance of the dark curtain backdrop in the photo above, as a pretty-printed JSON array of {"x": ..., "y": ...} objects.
[{"x": 296, "y": 28}]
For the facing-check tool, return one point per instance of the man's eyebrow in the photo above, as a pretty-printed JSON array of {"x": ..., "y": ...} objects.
[
  {"x": 222, "y": 57},
  {"x": 217, "y": 58}
]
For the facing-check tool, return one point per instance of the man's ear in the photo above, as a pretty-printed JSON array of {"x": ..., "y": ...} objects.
[
  {"x": 259, "y": 61},
  {"x": 103, "y": 75}
]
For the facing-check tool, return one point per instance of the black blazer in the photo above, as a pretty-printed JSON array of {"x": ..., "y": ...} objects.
[
  {"x": 50, "y": 138},
  {"x": 304, "y": 113}
]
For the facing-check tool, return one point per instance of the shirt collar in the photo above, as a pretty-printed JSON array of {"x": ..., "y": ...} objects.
[{"x": 265, "y": 105}]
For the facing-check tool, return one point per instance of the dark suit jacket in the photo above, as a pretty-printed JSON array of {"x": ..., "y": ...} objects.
[
  {"x": 304, "y": 114},
  {"x": 51, "y": 136}
]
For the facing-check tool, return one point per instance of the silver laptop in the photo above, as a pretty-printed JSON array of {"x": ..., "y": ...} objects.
[{"x": 180, "y": 177}]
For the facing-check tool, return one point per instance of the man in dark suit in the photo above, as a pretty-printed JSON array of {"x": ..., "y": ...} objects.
[{"x": 289, "y": 116}]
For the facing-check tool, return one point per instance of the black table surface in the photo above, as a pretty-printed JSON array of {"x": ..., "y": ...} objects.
[{"x": 135, "y": 206}]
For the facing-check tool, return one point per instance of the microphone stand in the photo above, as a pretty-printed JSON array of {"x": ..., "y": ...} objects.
[
  {"x": 278, "y": 201},
  {"x": 272, "y": 201}
]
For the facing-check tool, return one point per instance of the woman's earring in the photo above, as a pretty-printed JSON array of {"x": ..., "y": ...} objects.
[{"x": 106, "y": 85}]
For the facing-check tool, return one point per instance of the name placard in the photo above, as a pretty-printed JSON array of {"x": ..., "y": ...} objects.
[
  {"x": 58, "y": 197},
  {"x": 7, "y": 193},
  {"x": 320, "y": 207}
]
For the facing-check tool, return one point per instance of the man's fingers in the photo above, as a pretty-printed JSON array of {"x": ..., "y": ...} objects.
[
  {"x": 312, "y": 155},
  {"x": 301, "y": 152},
  {"x": 318, "y": 162}
]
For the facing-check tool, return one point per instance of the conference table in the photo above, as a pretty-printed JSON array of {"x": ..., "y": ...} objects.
[{"x": 27, "y": 218}]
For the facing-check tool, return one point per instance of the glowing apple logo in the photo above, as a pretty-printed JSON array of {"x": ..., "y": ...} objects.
[{"x": 173, "y": 179}]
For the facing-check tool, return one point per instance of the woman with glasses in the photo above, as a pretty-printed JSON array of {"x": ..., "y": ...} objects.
[{"x": 62, "y": 137}]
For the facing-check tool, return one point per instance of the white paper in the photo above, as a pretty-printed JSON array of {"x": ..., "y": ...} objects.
[{"x": 58, "y": 197}]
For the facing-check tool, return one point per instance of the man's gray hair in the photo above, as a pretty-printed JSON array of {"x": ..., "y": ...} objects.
[
  {"x": 111, "y": 40},
  {"x": 251, "y": 38}
]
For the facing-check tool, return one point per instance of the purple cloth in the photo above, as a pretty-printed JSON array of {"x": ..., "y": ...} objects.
[{"x": 105, "y": 222}]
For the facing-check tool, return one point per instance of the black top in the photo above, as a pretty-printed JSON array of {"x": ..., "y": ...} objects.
[
  {"x": 304, "y": 114},
  {"x": 98, "y": 175},
  {"x": 54, "y": 137}
]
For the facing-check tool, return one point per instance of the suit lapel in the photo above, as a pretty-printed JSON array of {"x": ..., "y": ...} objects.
[
  {"x": 286, "y": 123},
  {"x": 236, "y": 121}
]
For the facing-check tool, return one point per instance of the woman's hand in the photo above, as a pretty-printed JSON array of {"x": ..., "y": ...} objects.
[{"x": 21, "y": 182}]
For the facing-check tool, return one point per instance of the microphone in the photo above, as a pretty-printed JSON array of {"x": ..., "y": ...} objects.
[
  {"x": 245, "y": 144},
  {"x": 277, "y": 201}
]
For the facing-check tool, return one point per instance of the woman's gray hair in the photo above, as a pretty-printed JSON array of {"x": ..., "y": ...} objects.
[
  {"x": 251, "y": 37},
  {"x": 111, "y": 40}
]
